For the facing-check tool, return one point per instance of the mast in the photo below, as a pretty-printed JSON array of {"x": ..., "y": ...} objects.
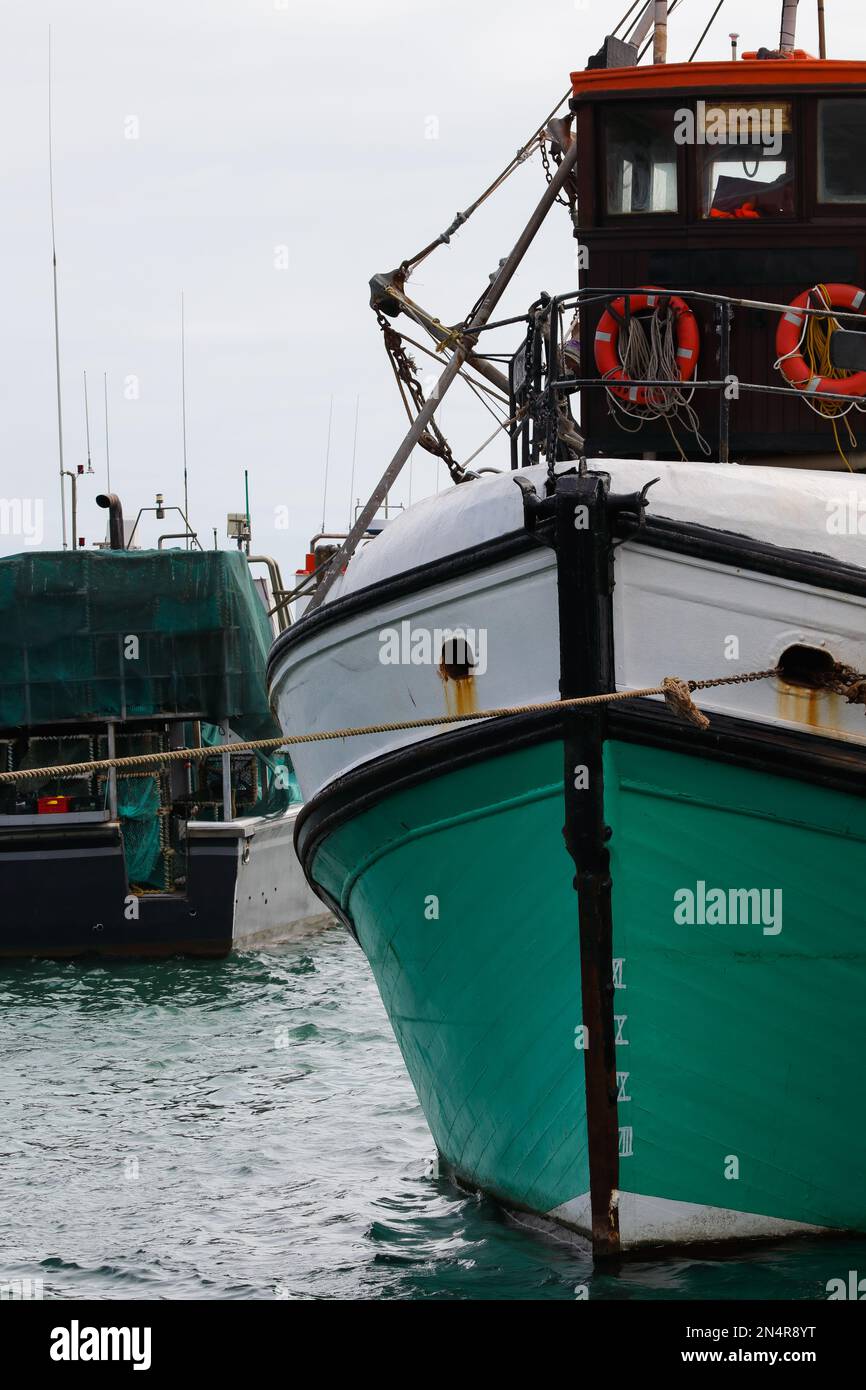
[{"x": 56, "y": 314}]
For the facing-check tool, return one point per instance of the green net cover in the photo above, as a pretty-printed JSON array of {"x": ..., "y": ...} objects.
[
  {"x": 129, "y": 634},
  {"x": 278, "y": 786},
  {"x": 138, "y": 807}
]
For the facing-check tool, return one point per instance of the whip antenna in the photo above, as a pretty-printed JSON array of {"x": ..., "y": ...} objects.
[
  {"x": 352, "y": 479},
  {"x": 87, "y": 426},
  {"x": 183, "y": 416},
  {"x": 327, "y": 460},
  {"x": 107, "y": 455},
  {"x": 56, "y": 315}
]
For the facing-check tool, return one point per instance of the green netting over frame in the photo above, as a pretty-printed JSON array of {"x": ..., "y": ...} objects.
[
  {"x": 201, "y": 638},
  {"x": 278, "y": 782},
  {"x": 138, "y": 807}
]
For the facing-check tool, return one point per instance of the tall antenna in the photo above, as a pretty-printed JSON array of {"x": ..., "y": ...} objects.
[
  {"x": 183, "y": 414},
  {"x": 107, "y": 454},
  {"x": 354, "y": 452},
  {"x": 87, "y": 426},
  {"x": 327, "y": 460},
  {"x": 822, "y": 31},
  {"x": 56, "y": 314}
]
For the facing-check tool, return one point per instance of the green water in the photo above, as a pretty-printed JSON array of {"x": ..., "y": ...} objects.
[{"x": 245, "y": 1129}]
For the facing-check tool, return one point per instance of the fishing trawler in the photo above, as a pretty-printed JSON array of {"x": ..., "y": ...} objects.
[
  {"x": 118, "y": 652},
  {"x": 619, "y": 927}
]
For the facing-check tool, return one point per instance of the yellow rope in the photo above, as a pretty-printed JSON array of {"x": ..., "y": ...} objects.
[
  {"x": 677, "y": 695},
  {"x": 816, "y": 354}
]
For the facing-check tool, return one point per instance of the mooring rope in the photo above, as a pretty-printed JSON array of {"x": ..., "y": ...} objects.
[{"x": 677, "y": 695}]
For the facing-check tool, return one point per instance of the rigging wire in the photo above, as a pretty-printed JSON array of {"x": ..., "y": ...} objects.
[
  {"x": 489, "y": 390},
  {"x": 519, "y": 158},
  {"x": 707, "y": 30},
  {"x": 626, "y": 17},
  {"x": 487, "y": 406},
  {"x": 503, "y": 425}
]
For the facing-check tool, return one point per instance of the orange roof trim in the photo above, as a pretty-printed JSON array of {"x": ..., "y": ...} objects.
[{"x": 760, "y": 74}]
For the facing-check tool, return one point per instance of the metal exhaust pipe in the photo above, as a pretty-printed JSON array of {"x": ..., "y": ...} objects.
[
  {"x": 822, "y": 30},
  {"x": 116, "y": 538},
  {"x": 660, "y": 32},
  {"x": 788, "y": 36},
  {"x": 642, "y": 25}
]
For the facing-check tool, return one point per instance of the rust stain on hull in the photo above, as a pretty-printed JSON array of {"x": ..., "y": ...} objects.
[
  {"x": 800, "y": 704},
  {"x": 461, "y": 695}
]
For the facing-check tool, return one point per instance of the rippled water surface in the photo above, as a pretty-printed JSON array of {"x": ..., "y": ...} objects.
[{"x": 245, "y": 1129}]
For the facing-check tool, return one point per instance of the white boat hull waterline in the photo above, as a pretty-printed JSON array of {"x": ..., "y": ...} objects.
[{"x": 460, "y": 890}]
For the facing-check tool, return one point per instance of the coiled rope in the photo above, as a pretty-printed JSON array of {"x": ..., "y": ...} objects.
[
  {"x": 678, "y": 697},
  {"x": 814, "y": 346},
  {"x": 656, "y": 360}
]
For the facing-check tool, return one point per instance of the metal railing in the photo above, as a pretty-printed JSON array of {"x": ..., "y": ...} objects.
[{"x": 536, "y": 378}]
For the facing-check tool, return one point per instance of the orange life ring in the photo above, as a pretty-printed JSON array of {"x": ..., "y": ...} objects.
[
  {"x": 607, "y": 337},
  {"x": 790, "y": 359}
]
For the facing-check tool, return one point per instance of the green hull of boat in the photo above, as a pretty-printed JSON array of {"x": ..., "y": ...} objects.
[{"x": 738, "y": 1043}]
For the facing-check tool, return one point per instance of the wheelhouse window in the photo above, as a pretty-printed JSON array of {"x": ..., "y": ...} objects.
[
  {"x": 842, "y": 150},
  {"x": 640, "y": 161},
  {"x": 745, "y": 160}
]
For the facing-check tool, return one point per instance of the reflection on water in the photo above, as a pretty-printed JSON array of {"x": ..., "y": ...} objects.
[{"x": 245, "y": 1129}]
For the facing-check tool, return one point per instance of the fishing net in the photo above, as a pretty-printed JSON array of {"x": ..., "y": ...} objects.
[
  {"x": 125, "y": 634},
  {"x": 138, "y": 805}
]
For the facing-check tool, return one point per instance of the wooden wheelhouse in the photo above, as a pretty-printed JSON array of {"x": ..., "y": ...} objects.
[{"x": 774, "y": 208}]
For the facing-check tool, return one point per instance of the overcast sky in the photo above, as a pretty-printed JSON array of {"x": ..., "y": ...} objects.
[{"x": 266, "y": 157}]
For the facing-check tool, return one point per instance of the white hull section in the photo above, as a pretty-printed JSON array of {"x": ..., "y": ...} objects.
[
  {"x": 673, "y": 614},
  {"x": 659, "y": 1221},
  {"x": 272, "y": 897}
]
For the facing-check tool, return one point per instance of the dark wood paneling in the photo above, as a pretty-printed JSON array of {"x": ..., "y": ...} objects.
[{"x": 768, "y": 260}]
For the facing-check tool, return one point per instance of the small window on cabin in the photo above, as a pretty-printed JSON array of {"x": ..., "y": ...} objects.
[
  {"x": 641, "y": 161},
  {"x": 746, "y": 160},
  {"x": 842, "y": 150}
]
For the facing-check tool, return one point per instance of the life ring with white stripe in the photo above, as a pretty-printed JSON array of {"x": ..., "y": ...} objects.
[
  {"x": 607, "y": 338},
  {"x": 789, "y": 342}
]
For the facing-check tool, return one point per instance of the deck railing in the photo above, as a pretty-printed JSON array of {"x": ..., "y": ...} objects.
[{"x": 537, "y": 380}]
